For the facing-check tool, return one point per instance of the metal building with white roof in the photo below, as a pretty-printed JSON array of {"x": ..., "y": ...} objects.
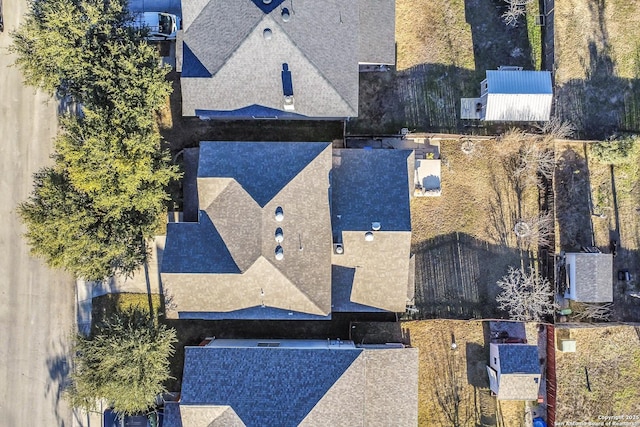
[{"x": 511, "y": 95}]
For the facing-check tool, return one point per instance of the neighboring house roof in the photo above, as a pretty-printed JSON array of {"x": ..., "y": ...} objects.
[
  {"x": 234, "y": 51},
  {"x": 519, "y": 372},
  {"x": 590, "y": 276},
  {"x": 371, "y": 186},
  {"x": 241, "y": 185},
  {"x": 224, "y": 266},
  {"x": 377, "y": 32},
  {"x": 294, "y": 384},
  {"x": 518, "y": 95},
  {"x": 518, "y": 359}
]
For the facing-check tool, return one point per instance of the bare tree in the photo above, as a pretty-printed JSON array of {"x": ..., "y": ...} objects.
[
  {"x": 512, "y": 15},
  {"x": 535, "y": 230},
  {"x": 556, "y": 129},
  {"x": 526, "y": 296},
  {"x": 591, "y": 311}
]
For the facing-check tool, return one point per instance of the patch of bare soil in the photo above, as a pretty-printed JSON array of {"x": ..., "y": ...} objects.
[
  {"x": 602, "y": 377},
  {"x": 453, "y": 387}
]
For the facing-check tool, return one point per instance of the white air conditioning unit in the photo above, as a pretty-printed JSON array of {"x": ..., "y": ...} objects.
[{"x": 338, "y": 249}]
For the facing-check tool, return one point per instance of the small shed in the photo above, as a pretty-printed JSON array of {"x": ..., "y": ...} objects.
[
  {"x": 511, "y": 95},
  {"x": 514, "y": 371},
  {"x": 589, "y": 277}
]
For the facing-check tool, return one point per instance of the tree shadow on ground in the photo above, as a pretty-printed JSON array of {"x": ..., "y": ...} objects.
[
  {"x": 572, "y": 199},
  {"x": 58, "y": 366},
  {"x": 603, "y": 103},
  {"x": 456, "y": 276}
]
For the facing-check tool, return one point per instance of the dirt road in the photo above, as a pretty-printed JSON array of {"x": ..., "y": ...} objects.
[{"x": 36, "y": 304}]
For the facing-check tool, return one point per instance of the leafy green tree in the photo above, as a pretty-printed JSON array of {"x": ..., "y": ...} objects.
[
  {"x": 616, "y": 151},
  {"x": 66, "y": 229},
  {"x": 124, "y": 361}
]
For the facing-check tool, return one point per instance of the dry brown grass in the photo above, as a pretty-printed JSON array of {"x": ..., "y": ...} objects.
[
  {"x": 611, "y": 29},
  {"x": 429, "y": 32},
  {"x": 477, "y": 408},
  {"x": 478, "y": 196},
  {"x": 612, "y": 358},
  {"x": 597, "y": 60}
]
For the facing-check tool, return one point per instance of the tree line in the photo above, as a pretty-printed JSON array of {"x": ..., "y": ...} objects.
[{"x": 92, "y": 211}]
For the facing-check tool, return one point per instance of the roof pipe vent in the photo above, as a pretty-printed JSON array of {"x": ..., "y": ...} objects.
[
  {"x": 266, "y": 1},
  {"x": 267, "y": 33},
  {"x": 368, "y": 236},
  {"x": 279, "y": 253},
  {"x": 279, "y": 235},
  {"x": 375, "y": 226},
  {"x": 279, "y": 214},
  {"x": 286, "y": 16}
]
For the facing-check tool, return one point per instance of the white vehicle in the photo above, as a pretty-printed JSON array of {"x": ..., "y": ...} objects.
[{"x": 161, "y": 26}]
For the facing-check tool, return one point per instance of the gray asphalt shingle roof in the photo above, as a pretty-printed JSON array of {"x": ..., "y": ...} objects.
[
  {"x": 275, "y": 386},
  {"x": 518, "y": 358},
  {"x": 225, "y": 39},
  {"x": 593, "y": 277}
]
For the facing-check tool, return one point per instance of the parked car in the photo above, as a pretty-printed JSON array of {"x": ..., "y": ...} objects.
[{"x": 161, "y": 25}]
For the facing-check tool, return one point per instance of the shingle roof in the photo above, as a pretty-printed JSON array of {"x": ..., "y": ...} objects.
[
  {"x": 261, "y": 168},
  {"x": 368, "y": 186},
  {"x": 200, "y": 246},
  {"x": 224, "y": 38},
  {"x": 371, "y": 186},
  {"x": 518, "y": 358},
  {"x": 377, "y": 32},
  {"x": 271, "y": 386},
  {"x": 593, "y": 277},
  {"x": 240, "y": 187},
  {"x": 265, "y": 386},
  {"x": 519, "y": 387}
]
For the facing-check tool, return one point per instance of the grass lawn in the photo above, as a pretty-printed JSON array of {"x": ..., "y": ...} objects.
[
  {"x": 107, "y": 305},
  {"x": 464, "y": 240},
  {"x": 611, "y": 357},
  {"x": 443, "y": 370},
  {"x": 443, "y": 50},
  {"x": 598, "y": 65},
  {"x": 534, "y": 34}
]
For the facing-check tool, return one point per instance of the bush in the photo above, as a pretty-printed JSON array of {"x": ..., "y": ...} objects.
[{"x": 614, "y": 152}]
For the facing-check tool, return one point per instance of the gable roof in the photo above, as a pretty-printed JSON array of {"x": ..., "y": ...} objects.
[
  {"x": 229, "y": 63},
  {"x": 240, "y": 187},
  {"x": 319, "y": 384},
  {"x": 593, "y": 276},
  {"x": 518, "y": 359},
  {"x": 518, "y": 95},
  {"x": 519, "y": 82}
]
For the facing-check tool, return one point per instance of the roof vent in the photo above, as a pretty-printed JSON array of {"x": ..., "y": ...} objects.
[
  {"x": 267, "y": 33},
  {"x": 338, "y": 249},
  {"x": 279, "y": 253},
  {"x": 279, "y": 235},
  {"x": 286, "y": 16},
  {"x": 375, "y": 226},
  {"x": 279, "y": 214},
  {"x": 266, "y": 1},
  {"x": 368, "y": 236}
]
